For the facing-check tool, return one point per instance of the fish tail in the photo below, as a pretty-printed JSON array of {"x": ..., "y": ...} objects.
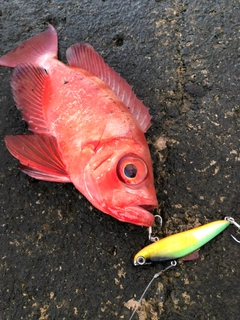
[{"x": 34, "y": 50}]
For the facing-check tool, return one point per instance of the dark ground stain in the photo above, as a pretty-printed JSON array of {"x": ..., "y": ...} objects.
[{"x": 61, "y": 258}]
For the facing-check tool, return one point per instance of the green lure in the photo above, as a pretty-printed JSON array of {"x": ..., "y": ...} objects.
[{"x": 180, "y": 244}]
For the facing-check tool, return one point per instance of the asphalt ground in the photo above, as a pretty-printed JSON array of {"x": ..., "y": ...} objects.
[{"x": 63, "y": 259}]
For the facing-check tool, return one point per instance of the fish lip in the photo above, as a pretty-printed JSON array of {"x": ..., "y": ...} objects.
[{"x": 136, "y": 214}]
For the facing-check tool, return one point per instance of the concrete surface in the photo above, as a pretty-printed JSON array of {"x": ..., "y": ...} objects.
[{"x": 63, "y": 259}]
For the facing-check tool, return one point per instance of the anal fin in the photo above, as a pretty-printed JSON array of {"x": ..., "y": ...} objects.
[
  {"x": 39, "y": 156},
  {"x": 28, "y": 84}
]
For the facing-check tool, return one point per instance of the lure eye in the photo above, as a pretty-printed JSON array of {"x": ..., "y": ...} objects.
[
  {"x": 141, "y": 260},
  {"x": 132, "y": 169}
]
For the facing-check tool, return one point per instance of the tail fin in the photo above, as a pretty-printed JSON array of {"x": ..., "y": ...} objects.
[{"x": 34, "y": 50}]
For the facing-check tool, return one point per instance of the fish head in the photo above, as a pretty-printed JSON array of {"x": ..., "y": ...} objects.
[{"x": 118, "y": 180}]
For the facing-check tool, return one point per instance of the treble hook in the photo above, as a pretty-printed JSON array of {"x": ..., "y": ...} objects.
[
  {"x": 150, "y": 237},
  {"x": 232, "y": 221}
]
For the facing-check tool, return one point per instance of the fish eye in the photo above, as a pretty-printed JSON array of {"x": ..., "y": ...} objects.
[
  {"x": 131, "y": 169},
  {"x": 141, "y": 260}
]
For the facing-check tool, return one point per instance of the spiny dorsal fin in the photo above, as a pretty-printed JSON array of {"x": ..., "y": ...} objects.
[{"x": 83, "y": 56}]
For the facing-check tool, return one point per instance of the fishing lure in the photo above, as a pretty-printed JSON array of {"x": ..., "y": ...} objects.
[{"x": 179, "y": 245}]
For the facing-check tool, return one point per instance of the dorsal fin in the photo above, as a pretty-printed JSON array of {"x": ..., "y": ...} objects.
[
  {"x": 83, "y": 56},
  {"x": 39, "y": 156},
  {"x": 34, "y": 50},
  {"x": 28, "y": 83}
]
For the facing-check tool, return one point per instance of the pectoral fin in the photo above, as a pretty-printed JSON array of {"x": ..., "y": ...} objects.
[{"x": 39, "y": 156}]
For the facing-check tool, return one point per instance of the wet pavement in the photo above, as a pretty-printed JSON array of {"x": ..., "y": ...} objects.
[{"x": 63, "y": 259}]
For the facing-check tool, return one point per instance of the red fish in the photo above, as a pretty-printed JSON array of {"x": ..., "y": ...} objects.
[{"x": 88, "y": 127}]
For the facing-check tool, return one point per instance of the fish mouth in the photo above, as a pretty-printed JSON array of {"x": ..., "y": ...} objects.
[
  {"x": 136, "y": 214},
  {"x": 147, "y": 207}
]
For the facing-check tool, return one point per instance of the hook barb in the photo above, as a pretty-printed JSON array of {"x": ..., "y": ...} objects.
[{"x": 238, "y": 241}]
